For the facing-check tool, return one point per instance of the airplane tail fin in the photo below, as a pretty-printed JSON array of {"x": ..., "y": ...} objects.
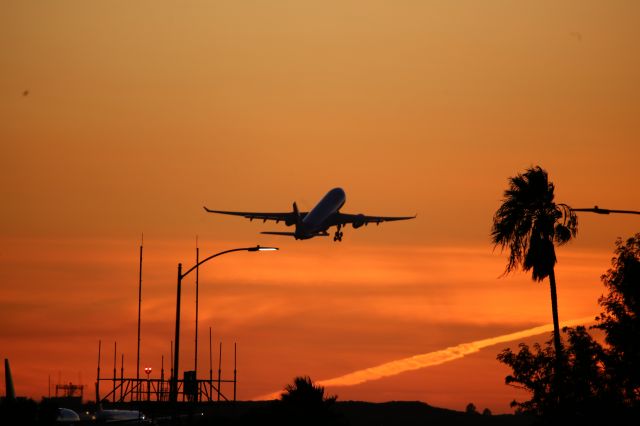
[
  {"x": 8, "y": 380},
  {"x": 296, "y": 213}
]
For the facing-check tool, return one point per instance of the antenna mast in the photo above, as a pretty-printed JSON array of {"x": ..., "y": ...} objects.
[
  {"x": 195, "y": 364},
  {"x": 210, "y": 368},
  {"x": 139, "y": 305}
]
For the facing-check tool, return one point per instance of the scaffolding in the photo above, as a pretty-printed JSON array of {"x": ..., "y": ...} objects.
[
  {"x": 189, "y": 388},
  {"x": 198, "y": 390},
  {"x": 69, "y": 391}
]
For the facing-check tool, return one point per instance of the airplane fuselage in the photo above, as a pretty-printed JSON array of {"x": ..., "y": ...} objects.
[{"x": 321, "y": 217}]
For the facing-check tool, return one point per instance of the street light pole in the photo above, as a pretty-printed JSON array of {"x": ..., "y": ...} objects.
[
  {"x": 598, "y": 210},
  {"x": 173, "y": 396}
]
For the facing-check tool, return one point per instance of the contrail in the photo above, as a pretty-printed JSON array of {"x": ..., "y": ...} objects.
[{"x": 430, "y": 359}]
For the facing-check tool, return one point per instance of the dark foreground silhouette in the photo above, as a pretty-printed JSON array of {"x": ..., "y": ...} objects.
[
  {"x": 241, "y": 413},
  {"x": 593, "y": 383}
]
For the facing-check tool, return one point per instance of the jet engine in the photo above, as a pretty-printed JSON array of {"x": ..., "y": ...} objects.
[{"x": 359, "y": 221}]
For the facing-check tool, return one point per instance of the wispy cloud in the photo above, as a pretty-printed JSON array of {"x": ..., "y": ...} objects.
[{"x": 431, "y": 359}]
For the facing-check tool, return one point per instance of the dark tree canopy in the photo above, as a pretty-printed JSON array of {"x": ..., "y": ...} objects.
[
  {"x": 598, "y": 382},
  {"x": 533, "y": 370},
  {"x": 621, "y": 318},
  {"x": 529, "y": 223}
]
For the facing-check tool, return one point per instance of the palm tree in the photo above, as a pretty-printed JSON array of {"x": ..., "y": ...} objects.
[
  {"x": 529, "y": 223},
  {"x": 305, "y": 403},
  {"x": 304, "y": 392}
]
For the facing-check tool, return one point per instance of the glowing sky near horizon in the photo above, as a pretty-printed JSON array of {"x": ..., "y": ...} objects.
[{"x": 118, "y": 118}]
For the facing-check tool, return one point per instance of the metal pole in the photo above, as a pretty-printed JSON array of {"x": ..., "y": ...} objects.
[
  {"x": 176, "y": 352},
  {"x": 121, "y": 376},
  {"x": 235, "y": 371},
  {"x": 139, "y": 306},
  {"x": 219, "y": 369},
  {"x": 98, "y": 376},
  {"x": 161, "y": 385},
  {"x": 210, "y": 369},
  {"x": 195, "y": 363},
  {"x": 115, "y": 355}
]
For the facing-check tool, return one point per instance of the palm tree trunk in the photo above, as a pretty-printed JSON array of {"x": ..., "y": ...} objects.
[
  {"x": 558, "y": 376},
  {"x": 554, "y": 310}
]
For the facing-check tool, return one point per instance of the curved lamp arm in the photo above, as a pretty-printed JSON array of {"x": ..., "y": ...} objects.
[
  {"x": 256, "y": 248},
  {"x": 598, "y": 210}
]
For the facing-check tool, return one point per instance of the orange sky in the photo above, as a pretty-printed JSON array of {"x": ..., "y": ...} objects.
[{"x": 139, "y": 114}]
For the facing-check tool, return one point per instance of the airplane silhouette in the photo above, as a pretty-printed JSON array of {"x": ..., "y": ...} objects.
[{"x": 318, "y": 220}]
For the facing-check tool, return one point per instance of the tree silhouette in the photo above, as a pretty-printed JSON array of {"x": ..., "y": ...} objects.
[
  {"x": 471, "y": 408},
  {"x": 533, "y": 371},
  {"x": 304, "y": 392},
  {"x": 529, "y": 223},
  {"x": 303, "y": 402},
  {"x": 603, "y": 382},
  {"x": 621, "y": 319}
]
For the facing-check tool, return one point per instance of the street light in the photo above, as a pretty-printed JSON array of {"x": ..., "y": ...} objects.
[
  {"x": 598, "y": 210},
  {"x": 173, "y": 395},
  {"x": 148, "y": 371}
]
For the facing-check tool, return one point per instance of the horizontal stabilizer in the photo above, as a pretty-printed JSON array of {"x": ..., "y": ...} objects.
[{"x": 292, "y": 234}]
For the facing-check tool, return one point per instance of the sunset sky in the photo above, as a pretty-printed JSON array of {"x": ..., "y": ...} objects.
[{"x": 122, "y": 118}]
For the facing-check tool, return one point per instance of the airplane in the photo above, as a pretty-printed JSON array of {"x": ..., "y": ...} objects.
[
  {"x": 119, "y": 416},
  {"x": 318, "y": 220},
  {"x": 16, "y": 412}
]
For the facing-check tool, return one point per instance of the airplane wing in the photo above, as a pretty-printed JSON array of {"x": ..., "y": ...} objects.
[
  {"x": 289, "y": 217},
  {"x": 360, "y": 219}
]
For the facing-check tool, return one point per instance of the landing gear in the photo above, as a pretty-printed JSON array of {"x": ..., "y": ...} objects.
[{"x": 338, "y": 235}]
